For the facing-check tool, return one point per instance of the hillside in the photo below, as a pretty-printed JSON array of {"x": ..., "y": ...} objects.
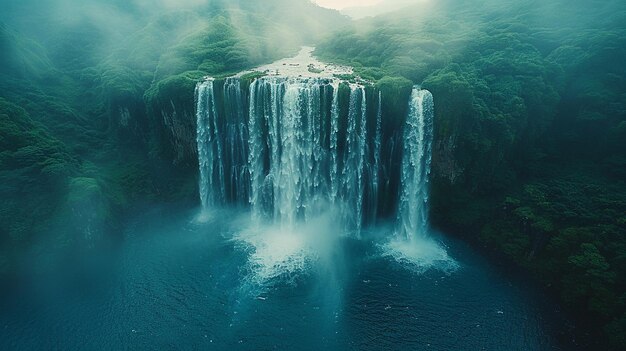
[
  {"x": 81, "y": 91},
  {"x": 530, "y": 155}
]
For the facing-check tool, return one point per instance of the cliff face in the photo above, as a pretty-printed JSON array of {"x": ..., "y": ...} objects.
[
  {"x": 174, "y": 134},
  {"x": 445, "y": 165},
  {"x": 173, "y": 124},
  {"x": 179, "y": 126},
  {"x": 128, "y": 121}
]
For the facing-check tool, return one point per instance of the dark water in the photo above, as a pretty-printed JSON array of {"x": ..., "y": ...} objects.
[{"x": 176, "y": 284}]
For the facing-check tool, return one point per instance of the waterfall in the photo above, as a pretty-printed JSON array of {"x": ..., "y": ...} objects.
[
  {"x": 294, "y": 159},
  {"x": 209, "y": 145},
  {"x": 236, "y": 141},
  {"x": 416, "y": 162},
  {"x": 374, "y": 172},
  {"x": 294, "y": 148},
  {"x": 334, "y": 144},
  {"x": 354, "y": 153}
]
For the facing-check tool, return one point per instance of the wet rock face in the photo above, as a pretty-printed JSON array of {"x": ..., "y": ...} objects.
[
  {"x": 180, "y": 130},
  {"x": 172, "y": 111},
  {"x": 128, "y": 120},
  {"x": 445, "y": 165},
  {"x": 180, "y": 133}
]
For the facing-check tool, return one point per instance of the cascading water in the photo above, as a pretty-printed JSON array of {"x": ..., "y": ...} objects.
[
  {"x": 354, "y": 154},
  {"x": 334, "y": 145},
  {"x": 416, "y": 160},
  {"x": 209, "y": 145},
  {"x": 235, "y": 140},
  {"x": 295, "y": 166},
  {"x": 374, "y": 172},
  {"x": 286, "y": 147},
  {"x": 412, "y": 244},
  {"x": 311, "y": 162},
  {"x": 282, "y": 152}
]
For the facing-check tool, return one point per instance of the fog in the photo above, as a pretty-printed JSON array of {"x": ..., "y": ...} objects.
[
  {"x": 342, "y": 4},
  {"x": 100, "y": 168},
  {"x": 362, "y": 9},
  {"x": 123, "y": 49},
  {"x": 161, "y": 33}
]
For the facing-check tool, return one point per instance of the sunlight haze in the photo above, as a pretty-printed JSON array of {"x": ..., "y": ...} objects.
[
  {"x": 305, "y": 175},
  {"x": 342, "y": 4}
]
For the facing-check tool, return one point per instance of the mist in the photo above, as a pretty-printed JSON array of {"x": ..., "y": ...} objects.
[
  {"x": 359, "y": 10},
  {"x": 312, "y": 174}
]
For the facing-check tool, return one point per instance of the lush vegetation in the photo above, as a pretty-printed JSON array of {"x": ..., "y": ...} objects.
[
  {"x": 530, "y": 154},
  {"x": 531, "y": 121},
  {"x": 82, "y": 99}
]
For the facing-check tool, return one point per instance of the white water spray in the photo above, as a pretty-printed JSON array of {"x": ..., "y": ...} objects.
[
  {"x": 416, "y": 161},
  {"x": 209, "y": 146},
  {"x": 413, "y": 243},
  {"x": 296, "y": 149}
]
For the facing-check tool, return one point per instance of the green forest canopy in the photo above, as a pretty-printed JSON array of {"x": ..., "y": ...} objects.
[
  {"x": 530, "y": 94},
  {"x": 533, "y": 96}
]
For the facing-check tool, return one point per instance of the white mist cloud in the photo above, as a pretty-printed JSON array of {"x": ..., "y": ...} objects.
[
  {"x": 342, "y": 4},
  {"x": 366, "y": 8},
  {"x": 170, "y": 4}
]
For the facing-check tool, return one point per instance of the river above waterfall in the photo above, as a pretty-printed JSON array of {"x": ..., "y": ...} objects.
[
  {"x": 227, "y": 284},
  {"x": 304, "y": 65}
]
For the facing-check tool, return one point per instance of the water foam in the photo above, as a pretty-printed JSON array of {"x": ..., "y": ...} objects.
[
  {"x": 412, "y": 243},
  {"x": 275, "y": 254},
  {"x": 279, "y": 254},
  {"x": 204, "y": 216},
  {"x": 293, "y": 152},
  {"x": 420, "y": 254}
]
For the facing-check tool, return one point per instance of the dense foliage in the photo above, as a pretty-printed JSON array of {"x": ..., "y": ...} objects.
[
  {"x": 530, "y": 152},
  {"x": 531, "y": 115},
  {"x": 83, "y": 91}
]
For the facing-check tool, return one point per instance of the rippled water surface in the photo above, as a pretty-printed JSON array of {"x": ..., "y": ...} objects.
[{"x": 225, "y": 283}]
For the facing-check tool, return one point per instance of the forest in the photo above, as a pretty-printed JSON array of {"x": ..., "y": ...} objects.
[
  {"x": 529, "y": 157},
  {"x": 531, "y": 134}
]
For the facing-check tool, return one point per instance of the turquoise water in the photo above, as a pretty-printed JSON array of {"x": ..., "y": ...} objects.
[{"x": 227, "y": 284}]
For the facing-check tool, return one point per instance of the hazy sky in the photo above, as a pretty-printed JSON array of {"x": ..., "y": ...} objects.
[{"x": 340, "y": 4}]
